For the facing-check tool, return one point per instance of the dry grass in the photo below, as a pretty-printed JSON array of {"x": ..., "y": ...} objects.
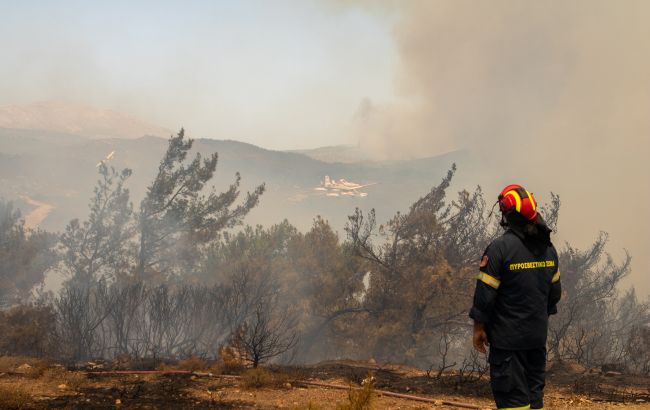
[
  {"x": 192, "y": 363},
  {"x": 308, "y": 406},
  {"x": 359, "y": 399},
  {"x": 260, "y": 378},
  {"x": 58, "y": 376},
  {"x": 14, "y": 397},
  {"x": 36, "y": 367},
  {"x": 75, "y": 380}
]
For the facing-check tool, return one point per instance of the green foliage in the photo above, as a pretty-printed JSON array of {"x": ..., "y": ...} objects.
[
  {"x": 25, "y": 256},
  {"x": 98, "y": 248},
  {"x": 176, "y": 217}
]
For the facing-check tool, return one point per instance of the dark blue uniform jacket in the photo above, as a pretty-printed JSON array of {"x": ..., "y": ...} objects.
[{"x": 517, "y": 289}]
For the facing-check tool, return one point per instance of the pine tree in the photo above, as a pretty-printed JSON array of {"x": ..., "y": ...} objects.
[{"x": 177, "y": 217}]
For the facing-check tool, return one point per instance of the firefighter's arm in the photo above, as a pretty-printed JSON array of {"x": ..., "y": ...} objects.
[
  {"x": 480, "y": 339},
  {"x": 487, "y": 284}
]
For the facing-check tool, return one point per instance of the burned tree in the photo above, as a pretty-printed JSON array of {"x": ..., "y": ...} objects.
[
  {"x": 589, "y": 282},
  {"x": 80, "y": 314},
  {"x": 421, "y": 269},
  {"x": 265, "y": 334}
]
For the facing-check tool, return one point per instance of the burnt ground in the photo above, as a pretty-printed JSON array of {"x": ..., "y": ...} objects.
[{"x": 63, "y": 389}]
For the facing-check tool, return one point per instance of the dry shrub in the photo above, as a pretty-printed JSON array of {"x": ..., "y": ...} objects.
[
  {"x": 27, "y": 331},
  {"x": 360, "y": 399},
  {"x": 230, "y": 361},
  {"x": 192, "y": 363},
  {"x": 123, "y": 361},
  {"x": 260, "y": 377},
  {"x": 14, "y": 397}
]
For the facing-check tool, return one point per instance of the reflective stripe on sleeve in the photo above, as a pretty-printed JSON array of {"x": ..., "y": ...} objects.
[
  {"x": 489, "y": 280},
  {"x": 556, "y": 277}
]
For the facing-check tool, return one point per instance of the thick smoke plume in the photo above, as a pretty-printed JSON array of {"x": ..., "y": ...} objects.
[{"x": 555, "y": 95}]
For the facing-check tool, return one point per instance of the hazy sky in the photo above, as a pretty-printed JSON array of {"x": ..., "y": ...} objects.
[{"x": 280, "y": 74}]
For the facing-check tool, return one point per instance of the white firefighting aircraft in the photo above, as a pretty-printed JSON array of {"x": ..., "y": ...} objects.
[
  {"x": 341, "y": 187},
  {"x": 108, "y": 158}
]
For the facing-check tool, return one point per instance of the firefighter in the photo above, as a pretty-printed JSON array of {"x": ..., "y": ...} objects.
[{"x": 517, "y": 288}]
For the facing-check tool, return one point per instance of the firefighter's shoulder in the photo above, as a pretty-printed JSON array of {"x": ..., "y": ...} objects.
[{"x": 497, "y": 245}]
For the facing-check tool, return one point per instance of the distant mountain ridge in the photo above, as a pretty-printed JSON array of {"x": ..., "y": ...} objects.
[
  {"x": 337, "y": 153},
  {"x": 76, "y": 119},
  {"x": 64, "y": 174},
  {"x": 49, "y": 152}
]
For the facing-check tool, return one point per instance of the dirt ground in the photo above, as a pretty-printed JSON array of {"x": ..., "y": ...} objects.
[{"x": 61, "y": 389}]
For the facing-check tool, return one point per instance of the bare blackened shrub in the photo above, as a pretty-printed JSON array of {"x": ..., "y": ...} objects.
[
  {"x": 637, "y": 349},
  {"x": 140, "y": 322},
  {"x": 80, "y": 313},
  {"x": 122, "y": 305},
  {"x": 265, "y": 334},
  {"x": 584, "y": 328},
  {"x": 442, "y": 353},
  {"x": 473, "y": 369}
]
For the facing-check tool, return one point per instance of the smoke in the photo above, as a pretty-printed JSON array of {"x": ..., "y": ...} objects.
[
  {"x": 506, "y": 74},
  {"x": 552, "y": 95}
]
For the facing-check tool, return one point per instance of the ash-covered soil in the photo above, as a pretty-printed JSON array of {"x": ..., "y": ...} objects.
[{"x": 280, "y": 388}]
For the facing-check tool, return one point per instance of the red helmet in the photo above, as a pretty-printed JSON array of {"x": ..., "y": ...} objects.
[{"x": 515, "y": 197}]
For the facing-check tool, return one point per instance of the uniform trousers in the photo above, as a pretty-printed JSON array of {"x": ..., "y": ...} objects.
[{"x": 517, "y": 377}]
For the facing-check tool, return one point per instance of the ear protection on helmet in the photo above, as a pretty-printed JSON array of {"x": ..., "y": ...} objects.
[{"x": 515, "y": 198}]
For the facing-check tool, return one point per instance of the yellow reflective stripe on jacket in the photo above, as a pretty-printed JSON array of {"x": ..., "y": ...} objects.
[
  {"x": 515, "y": 408},
  {"x": 489, "y": 280},
  {"x": 556, "y": 277}
]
